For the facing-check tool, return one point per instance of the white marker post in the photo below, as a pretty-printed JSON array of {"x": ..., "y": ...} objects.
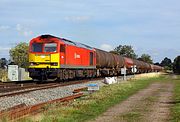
[
  {"x": 123, "y": 71},
  {"x": 133, "y": 69},
  {"x": 13, "y": 74},
  {"x": 93, "y": 87}
]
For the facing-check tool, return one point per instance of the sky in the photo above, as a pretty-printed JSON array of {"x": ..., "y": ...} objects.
[{"x": 150, "y": 26}]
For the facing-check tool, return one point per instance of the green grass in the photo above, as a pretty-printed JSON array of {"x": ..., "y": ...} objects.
[
  {"x": 129, "y": 117},
  {"x": 89, "y": 107},
  {"x": 176, "y": 102},
  {"x": 138, "y": 110}
]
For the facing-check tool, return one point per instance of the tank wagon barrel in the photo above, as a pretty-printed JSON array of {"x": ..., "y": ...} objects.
[{"x": 108, "y": 60}]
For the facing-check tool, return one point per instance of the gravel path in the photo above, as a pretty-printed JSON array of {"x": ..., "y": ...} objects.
[
  {"x": 159, "y": 111},
  {"x": 147, "y": 105}
]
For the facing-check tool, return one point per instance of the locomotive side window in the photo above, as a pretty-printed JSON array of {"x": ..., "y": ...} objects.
[
  {"x": 37, "y": 47},
  {"x": 62, "y": 48},
  {"x": 50, "y": 47},
  {"x": 91, "y": 58}
]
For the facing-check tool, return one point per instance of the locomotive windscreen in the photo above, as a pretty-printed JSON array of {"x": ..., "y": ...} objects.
[
  {"x": 37, "y": 47},
  {"x": 44, "y": 47},
  {"x": 50, "y": 47}
]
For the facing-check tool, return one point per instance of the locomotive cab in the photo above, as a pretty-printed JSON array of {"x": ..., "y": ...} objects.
[
  {"x": 44, "y": 55},
  {"x": 44, "y": 58}
]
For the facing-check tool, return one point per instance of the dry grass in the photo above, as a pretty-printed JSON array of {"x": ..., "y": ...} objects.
[
  {"x": 3, "y": 75},
  {"x": 148, "y": 75}
]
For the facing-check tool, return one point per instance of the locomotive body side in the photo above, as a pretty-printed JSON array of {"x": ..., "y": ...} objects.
[{"x": 78, "y": 57}]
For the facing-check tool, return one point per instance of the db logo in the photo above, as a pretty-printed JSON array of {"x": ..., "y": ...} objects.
[{"x": 77, "y": 55}]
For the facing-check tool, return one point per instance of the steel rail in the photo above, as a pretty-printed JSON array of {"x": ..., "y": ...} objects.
[{"x": 22, "y": 110}]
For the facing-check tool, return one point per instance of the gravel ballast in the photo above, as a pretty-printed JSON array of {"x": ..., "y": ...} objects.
[
  {"x": 44, "y": 95},
  {"x": 39, "y": 96}
]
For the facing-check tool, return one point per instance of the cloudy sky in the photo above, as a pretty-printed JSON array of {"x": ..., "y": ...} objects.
[{"x": 150, "y": 26}]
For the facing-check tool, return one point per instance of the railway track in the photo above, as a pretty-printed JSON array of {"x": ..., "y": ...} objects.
[
  {"x": 11, "y": 89},
  {"x": 15, "y": 87},
  {"x": 8, "y": 85},
  {"x": 17, "y": 90},
  {"x": 22, "y": 110}
]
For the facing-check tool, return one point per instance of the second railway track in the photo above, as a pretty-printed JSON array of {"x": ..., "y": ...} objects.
[{"x": 16, "y": 90}]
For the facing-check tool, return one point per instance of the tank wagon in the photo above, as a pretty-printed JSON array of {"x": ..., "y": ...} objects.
[
  {"x": 52, "y": 57},
  {"x": 108, "y": 63}
]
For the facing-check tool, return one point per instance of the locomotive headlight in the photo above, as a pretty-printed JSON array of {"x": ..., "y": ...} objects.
[
  {"x": 54, "y": 64},
  {"x": 31, "y": 64}
]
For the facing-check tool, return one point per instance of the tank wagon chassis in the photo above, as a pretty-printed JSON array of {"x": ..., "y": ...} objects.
[{"x": 52, "y": 57}]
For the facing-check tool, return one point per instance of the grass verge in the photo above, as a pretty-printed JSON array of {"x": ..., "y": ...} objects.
[
  {"x": 89, "y": 107},
  {"x": 176, "y": 103}
]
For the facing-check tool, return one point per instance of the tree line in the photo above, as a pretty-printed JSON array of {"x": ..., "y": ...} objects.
[
  {"x": 19, "y": 56},
  {"x": 128, "y": 51}
]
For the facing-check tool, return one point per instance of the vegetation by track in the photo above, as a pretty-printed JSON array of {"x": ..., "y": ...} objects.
[
  {"x": 90, "y": 106},
  {"x": 176, "y": 102}
]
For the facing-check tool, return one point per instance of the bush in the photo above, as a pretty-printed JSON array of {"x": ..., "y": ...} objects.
[
  {"x": 176, "y": 65},
  {"x": 3, "y": 75}
]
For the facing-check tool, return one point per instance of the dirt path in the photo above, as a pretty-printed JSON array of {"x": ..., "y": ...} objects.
[{"x": 147, "y": 105}]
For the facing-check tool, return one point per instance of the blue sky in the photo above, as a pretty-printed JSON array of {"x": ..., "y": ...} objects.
[{"x": 150, "y": 26}]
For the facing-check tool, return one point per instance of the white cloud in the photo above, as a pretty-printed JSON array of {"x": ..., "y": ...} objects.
[
  {"x": 4, "y": 48},
  {"x": 106, "y": 47},
  {"x": 77, "y": 18},
  {"x": 18, "y": 27},
  {"x": 22, "y": 30},
  {"x": 4, "y": 52},
  {"x": 4, "y": 27}
]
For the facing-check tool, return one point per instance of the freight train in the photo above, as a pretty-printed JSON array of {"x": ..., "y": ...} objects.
[{"x": 52, "y": 57}]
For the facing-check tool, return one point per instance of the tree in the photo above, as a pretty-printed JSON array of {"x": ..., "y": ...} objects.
[
  {"x": 19, "y": 54},
  {"x": 176, "y": 65},
  {"x": 3, "y": 63},
  {"x": 125, "y": 50},
  {"x": 146, "y": 58},
  {"x": 157, "y": 63},
  {"x": 166, "y": 63}
]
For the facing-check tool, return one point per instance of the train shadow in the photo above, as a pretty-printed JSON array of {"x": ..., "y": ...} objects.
[{"x": 171, "y": 102}]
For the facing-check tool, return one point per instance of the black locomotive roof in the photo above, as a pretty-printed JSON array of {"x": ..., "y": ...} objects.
[{"x": 66, "y": 41}]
